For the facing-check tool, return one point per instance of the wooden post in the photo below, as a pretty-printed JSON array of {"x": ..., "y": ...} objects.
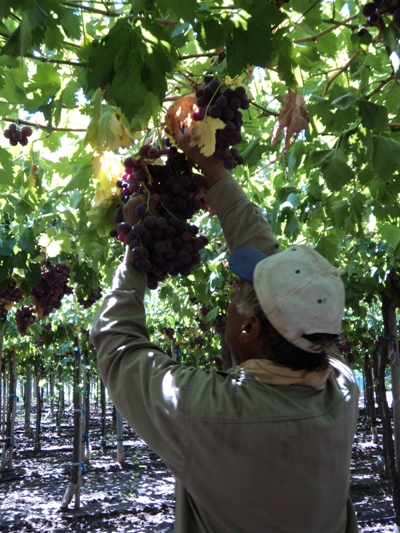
[
  {"x": 8, "y": 452},
  {"x": 37, "y": 445},
  {"x": 28, "y": 401},
  {"x": 120, "y": 439},
  {"x": 369, "y": 397},
  {"x": 103, "y": 412},
  {"x": 86, "y": 406},
  {"x": 74, "y": 486}
]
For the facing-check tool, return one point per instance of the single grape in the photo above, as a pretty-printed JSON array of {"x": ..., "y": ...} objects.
[
  {"x": 140, "y": 210},
  {"x": 362, "y": 31},
  {"x": 245, "y": 104},
  {"x": 373, "y": 19},
  {"x": 23, "y": 141},
  {"x": 240, "y": 92},
  {"x": 215, "y": 111},
  {"x": 13, "y": 127},
  {"x": 396, "y": 17},
  {"x": 222, "y": 101},
  {"x": 17, "y": 135},
  {"x": 7, "y": 133},
  {"x": 144, "y": 149},
  {"x": 368, "y": 9},
  {"x": 227, "y": 113},
  {"x": 153, "y": 153},
  {"x": 214, "y": 85},
  {"x": 128, "y": 163},
  {"x": 229, "y": 163},
  {"x": 228, "y": 93},
  {"x": 235, "y": 103}
]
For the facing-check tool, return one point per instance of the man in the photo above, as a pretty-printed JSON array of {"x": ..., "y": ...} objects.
[{"x": 266, "y": 446}]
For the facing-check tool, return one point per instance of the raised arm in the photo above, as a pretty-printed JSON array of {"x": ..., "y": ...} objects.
[{"x": 242, "y": 222}]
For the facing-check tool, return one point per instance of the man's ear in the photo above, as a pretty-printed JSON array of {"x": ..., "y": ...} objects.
[{"x": 250, "y": 329}]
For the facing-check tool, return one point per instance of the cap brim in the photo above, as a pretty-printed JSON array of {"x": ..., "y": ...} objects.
[{"x": 244, "y": 260}]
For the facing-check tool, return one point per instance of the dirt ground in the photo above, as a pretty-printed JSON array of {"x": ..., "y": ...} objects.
[{"x": 138, "y": 498}]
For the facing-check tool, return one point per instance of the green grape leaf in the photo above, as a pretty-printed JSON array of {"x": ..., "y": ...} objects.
[
  {"x": 329, "y": 247},
  {"x": 345, "y": 101},
  {"x": 6, "y": 169},
  {"x": 336, "y": 171},
  {"x": 390, "y": 234},
  {"x": 182, "y": 9},
  {"x": 373, "y": 116},
  {"x": 386, "y": 156}
]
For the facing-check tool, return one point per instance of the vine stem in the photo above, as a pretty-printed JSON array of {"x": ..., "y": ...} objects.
[
  {"x": 381, "y": 84},
  {"x": 266, "y": 111},
  {"x": 343, "y": 69},
  {"x": 313, "y": 38},
  {"x": 115, "y": 14},
  {"x": 56, "y": 61},
  {"x": 35, "y": 125}
]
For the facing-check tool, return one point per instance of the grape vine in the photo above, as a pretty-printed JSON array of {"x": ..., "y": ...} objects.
[{"x": 157, "y": 192}]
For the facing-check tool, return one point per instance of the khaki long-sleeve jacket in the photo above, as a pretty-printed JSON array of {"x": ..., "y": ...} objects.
[{"x": 248, "y": 457}]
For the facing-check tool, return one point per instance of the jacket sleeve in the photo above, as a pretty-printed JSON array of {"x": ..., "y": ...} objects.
[
  {"x": 242, "y": 222},
  {"x": 147, "y": 387}
]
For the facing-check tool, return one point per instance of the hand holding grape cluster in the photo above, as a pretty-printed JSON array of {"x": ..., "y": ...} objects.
[
  {"x": 158, "y": 190},
  {"x": 16, "y": 135}
]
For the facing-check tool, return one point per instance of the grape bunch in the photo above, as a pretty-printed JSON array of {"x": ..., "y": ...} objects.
[
  {"x": 219, "y": 326},
  {"x": 10, "y": 296},
  {"x": 24, "y": 318},
  {"x": 169, "y": 332},
  {"x": 16, "y": 135},
  {"x": 216, "y": 101},
  {"x": 374, "y": 10},
  {"x": 158, "y": 200},
  {"x": 52, "y": 286},
  {"x": 93, "y": 297}
]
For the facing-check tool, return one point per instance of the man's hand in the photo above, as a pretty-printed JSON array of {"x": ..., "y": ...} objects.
[{"x": 213, "y": 169}]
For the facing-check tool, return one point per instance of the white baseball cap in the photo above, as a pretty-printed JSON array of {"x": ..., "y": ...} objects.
[{"x": 299, "y": 291}]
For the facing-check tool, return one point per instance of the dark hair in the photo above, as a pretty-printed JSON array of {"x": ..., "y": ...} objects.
[
  {"x": 282, "y": 352},
  {"x": 275, "y": 347}
]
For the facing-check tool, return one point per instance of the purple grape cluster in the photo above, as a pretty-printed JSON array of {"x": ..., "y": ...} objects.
[
  {"x": 219, "y": 326},
  {"x": 52, "y": 287},
  {"x": 24, "y": 318},
  {"x": 169, "y": 332},
  {"x": 216, "y": 101},
  {"x": 93, "y": 297},
  {"x": 160, "y": 237},
  {"x": 16, "y": 135},
  {"x": 374, "y": 10},
  {"x": 11, "y": 295}
]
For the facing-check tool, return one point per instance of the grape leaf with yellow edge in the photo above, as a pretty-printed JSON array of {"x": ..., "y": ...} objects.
[
  {"x": 203, "y": 134},
  {"x": 105, "y": 130}
]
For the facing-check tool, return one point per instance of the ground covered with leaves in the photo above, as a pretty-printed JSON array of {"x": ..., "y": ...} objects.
[{"x": 138, "y": 497}]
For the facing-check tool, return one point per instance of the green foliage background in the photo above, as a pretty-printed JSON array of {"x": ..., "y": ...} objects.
[{"x": 94, "y": 80}]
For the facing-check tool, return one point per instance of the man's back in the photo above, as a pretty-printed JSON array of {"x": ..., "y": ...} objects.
[{"x": 283, "y": 452}]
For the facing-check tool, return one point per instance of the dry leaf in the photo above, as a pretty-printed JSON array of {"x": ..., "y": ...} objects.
[
  {"x": 180, "y": 113},
  {"x": 203, "y": 134},
  {"x": 293, "y": 117}
]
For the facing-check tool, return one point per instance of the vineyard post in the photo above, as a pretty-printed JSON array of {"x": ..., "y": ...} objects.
[
  {"x": 3, "y": 327},
  {"x": 120, "y": 439},
  {"x": 388, "y": 355},
  {"x": 37, "y": 445},
  {"x": 74, "y": 485},
  {"x": 86, "y": 406},
  {"x": 7, "y": 456},
  {"x": 103, "y": 412},
  {"x": 369, "y": 397},
  {"x": 28, "y": 401},
  {"x": 52, "y": 393},
  {"x": 5, "y": 385}
]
